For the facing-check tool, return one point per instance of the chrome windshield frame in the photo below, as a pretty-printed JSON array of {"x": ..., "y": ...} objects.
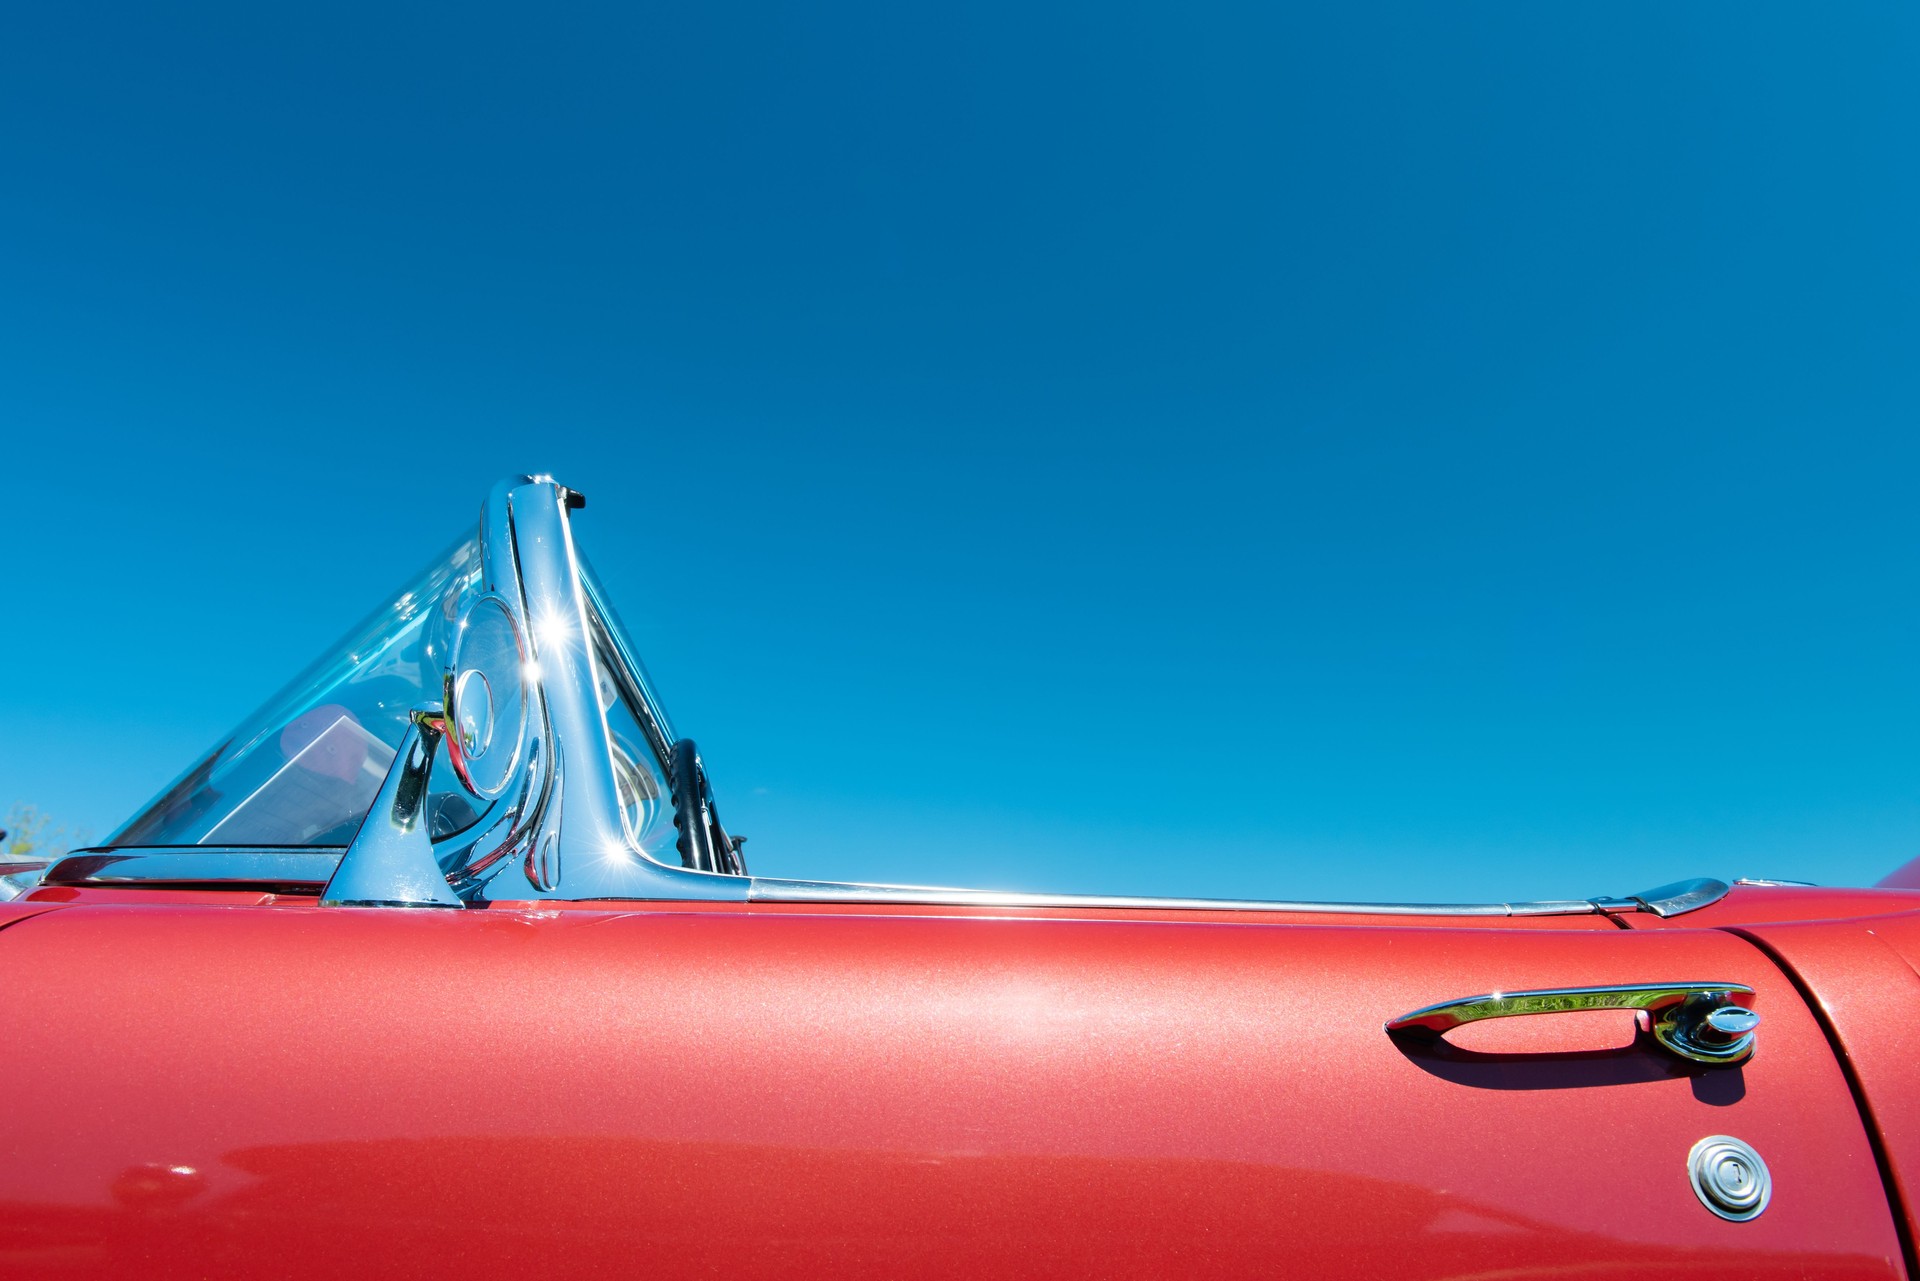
[{"x": 577, "y": 847}]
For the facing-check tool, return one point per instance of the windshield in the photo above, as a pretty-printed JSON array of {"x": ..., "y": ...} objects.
[{"x": 303, "y": 769}]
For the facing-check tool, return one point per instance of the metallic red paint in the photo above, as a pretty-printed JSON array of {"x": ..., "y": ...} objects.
[
  {"x": 15, "y": 911},
  {"x": 1754, "y": 904},
  {"x": 231, "y": 1087},
  {"x": 1860, "y": 975}
]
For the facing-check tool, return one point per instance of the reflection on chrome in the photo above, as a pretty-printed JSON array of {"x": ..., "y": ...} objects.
[
  {"x": 1700, "y": 1021},
  {"x": 487, "y": 697},
  {"x": 17, "y": 876},
  {"x": 543, "y": 704},
  {"x": 391, "y": 862}
]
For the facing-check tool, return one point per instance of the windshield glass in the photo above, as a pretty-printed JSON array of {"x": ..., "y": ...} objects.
[
  {"x": 303, "y": 769},
  {"x": 639, "y": 736}
]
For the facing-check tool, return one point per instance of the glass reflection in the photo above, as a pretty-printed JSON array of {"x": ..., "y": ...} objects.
[{"x": 304, "y": 768}]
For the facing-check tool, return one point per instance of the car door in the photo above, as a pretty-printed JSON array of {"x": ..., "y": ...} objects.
[{"x": 883, "y": 1091}]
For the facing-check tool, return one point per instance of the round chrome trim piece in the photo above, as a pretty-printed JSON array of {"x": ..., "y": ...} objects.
[
  {"x": 1729, "y": 1177},
  {"x": 486, "y": 697},
  {"x": 475, "y": 701}
]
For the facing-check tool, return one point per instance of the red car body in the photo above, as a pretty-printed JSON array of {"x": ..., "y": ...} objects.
[
  {"x": 222, "y": 1081},
  {"x": 242, "y": 1084}
]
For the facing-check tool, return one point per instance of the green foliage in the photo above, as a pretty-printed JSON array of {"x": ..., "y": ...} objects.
[{"x": 30, "y": 834}]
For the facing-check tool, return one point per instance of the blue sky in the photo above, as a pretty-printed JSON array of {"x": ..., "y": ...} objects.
[{"x": 1419, "y": 451}]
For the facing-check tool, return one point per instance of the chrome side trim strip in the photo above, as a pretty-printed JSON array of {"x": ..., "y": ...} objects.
[
  {"x": 307, "y": 871},
  {"x": 287, "y": 871},
  {"x": 1552, "y": 907},
  {"x": 772, "y": 890}
]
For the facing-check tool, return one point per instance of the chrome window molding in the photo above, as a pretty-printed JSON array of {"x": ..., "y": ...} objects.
[
  {"x": 307, "y": 871},
  {"x": 773, "y": 890}
]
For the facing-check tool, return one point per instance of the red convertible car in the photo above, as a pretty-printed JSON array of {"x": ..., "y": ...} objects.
[{"x": 443, "y": 964}]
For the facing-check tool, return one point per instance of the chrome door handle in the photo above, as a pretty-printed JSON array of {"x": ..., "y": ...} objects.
[{"x": 1698, "y": 1021}]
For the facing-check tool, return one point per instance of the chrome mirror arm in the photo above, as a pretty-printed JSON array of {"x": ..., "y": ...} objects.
[{"x": 390, "y": 862}]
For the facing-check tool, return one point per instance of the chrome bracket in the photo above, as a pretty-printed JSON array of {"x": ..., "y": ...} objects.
[
  {"x": 577, "y": 846},
  {"x": 1708, "y": 1027},
  {"x": 1666, "y": 900},
  {"x": 390, "y": 862}
]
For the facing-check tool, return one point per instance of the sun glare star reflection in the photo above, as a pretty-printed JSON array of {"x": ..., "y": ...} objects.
[{"x": 553, "y": 628}]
